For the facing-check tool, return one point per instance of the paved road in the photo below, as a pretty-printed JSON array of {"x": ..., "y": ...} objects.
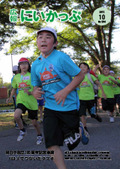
[{"x": 104, "y": 143}]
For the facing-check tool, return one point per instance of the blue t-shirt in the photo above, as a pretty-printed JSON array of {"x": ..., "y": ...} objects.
[{"x": 43, "y": 73}]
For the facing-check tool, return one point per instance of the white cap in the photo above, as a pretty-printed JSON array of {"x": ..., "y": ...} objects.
[
  {"x": 106, "y": 66},
  {"x": 111, "y": 71},
  {"x": 15, "y": 68},
  {"x": 49, "y": 30}
]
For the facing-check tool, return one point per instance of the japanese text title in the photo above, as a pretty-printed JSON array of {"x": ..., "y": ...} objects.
[{"x": 49, "y": 16}]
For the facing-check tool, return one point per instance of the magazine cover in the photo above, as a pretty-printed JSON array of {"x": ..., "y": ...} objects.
[{"x": 59, "y": 84}]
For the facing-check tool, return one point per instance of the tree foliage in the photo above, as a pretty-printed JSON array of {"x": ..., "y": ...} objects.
[
  {"x": 87, "y": 39},
  {"x": 6, "y": 27}
]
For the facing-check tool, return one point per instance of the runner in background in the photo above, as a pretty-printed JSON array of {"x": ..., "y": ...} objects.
[
  {"x": 25, "y": 100},
  {"x": 15, "y": 71},
  {"x": 106, "y": 80},
  {"x": 87, "y": 95}
]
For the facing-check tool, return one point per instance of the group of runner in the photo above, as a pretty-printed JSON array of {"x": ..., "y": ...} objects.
[
  {"x": 108, "y": 91},
  {"x": 51, "y": 78}
]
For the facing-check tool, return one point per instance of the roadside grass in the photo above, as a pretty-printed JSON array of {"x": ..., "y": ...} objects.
[
  {"x": 7, "y": 120},
  {"x": 6, "y": 107}
]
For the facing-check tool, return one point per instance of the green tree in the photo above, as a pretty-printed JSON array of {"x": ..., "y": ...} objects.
[
  {"x": 21, "y": 45},
  {"x": 88, "y": 40},
  {"x": 6, "y": 27}
]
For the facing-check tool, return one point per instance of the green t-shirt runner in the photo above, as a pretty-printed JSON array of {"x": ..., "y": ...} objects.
[
  {"x": 86, "y": 91},
  {"x": 21, "y": 82},
  {"x": 107, "y": 85}
]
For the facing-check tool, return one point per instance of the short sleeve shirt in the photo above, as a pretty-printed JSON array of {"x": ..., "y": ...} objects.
[
  {"x": 43, "y": 74},
  {"x": 107, "y": 85},
  {"x": 86, "y": 91},
  {"x": 21, "y": 82}
]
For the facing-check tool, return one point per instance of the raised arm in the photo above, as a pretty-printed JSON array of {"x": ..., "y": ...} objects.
[{"x": 99, "y": 84}]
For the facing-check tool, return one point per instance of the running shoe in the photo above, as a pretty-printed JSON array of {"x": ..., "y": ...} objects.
[
  {"x": 39, "y": 140},
  {"x": 84, "y": 135},
  {"x": 21, "y": 135},
  {"x": 112, "y": 119}
]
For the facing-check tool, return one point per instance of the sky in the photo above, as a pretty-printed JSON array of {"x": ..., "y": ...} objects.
[{"x": 6, "y": 60}]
